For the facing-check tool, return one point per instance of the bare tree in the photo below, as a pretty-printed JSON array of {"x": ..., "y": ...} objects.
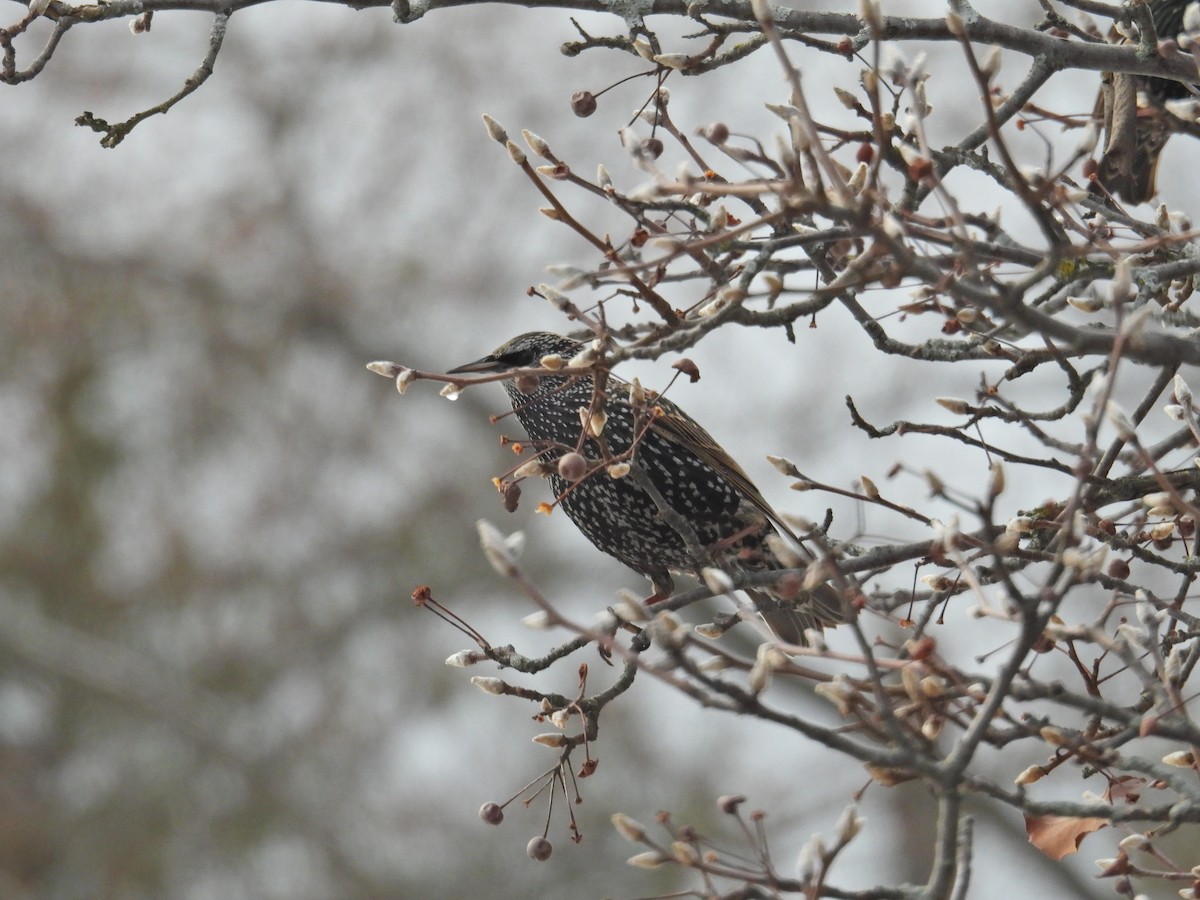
[{"x": 1072, "y": 525}]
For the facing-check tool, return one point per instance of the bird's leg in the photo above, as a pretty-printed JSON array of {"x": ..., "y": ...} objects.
[{"x": 664, "y": 586}]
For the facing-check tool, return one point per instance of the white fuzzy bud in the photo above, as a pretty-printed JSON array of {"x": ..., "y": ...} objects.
[
  {"x": 1158, "y": 500},
  {"x": 1134, "y": 842},
  {"x": 784, "y": 466},
  {"x": 628, "y": 828},
  {"x": 1183, "y": 393},
  {"x": 515, "y": 153},
  {"x": 501, "y": 551},
  {"x": 1180, "y": 759},
  {"x": 584, "y": 359},
  {"x": 1191, "y": 20},
  {"x": 812, "y": 855},
  {"x": 1122, "y": 283},
  {"x": 536, "y": 144},
  {"x": 560, "y": 718},
  {"x": 783, "y": 110},
  {"x": 488, "y": 685},
  {"x": 674, "y": 60},
  {"x": 783, "y": 552},
  {"x": 1120, "y": 421},
  {"x": 652, "y": 859},
  {"x": 1086, "y": 303},
  {"x": 869, "y": 12},
  {"x": 531, "y": 469},
  {"x": 596, "y": 423},
  {"x": 991, "y": 63},
  {"x": 849, "y": 824},
  {"x": 1183, "y": 109},
  {"x": 716, "y": 580},
  {"x": 495, "y": 130},
  {"x": 1030, "y": 775},
  {"x": 838, "y": 691},
  {"x": 538, "y": 621}
]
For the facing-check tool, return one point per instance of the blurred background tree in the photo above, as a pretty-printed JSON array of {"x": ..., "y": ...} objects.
[{"x": 213, "y": 683}]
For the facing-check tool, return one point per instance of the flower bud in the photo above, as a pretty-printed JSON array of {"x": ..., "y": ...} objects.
[
  {"x": 495, "y": 130},
  {"x": 536, "y": 144},
  {"x": 404, "y": 378},
  {"x": 1180, "y": 759},
  {"x": 1030, "y": 775},
  {"x": 685, "y": 854},
  {"x": 954, "y": 404},
  {"x": 649, "y": 860},
  {"x": 716, "y": 580},
  {"x": 488, "y": 684}
]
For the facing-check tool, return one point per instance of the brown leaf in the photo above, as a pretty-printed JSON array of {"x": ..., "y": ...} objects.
[{"x": 1059, "y": 836}]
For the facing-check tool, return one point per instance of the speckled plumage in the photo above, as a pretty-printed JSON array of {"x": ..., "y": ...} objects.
[
  {"x": 1129, "y": 164},
  {"x": 693, "y": 475},
  {"x": 1168, "y": 23}
]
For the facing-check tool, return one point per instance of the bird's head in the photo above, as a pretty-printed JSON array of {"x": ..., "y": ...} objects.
[{"x": 525, "y": 351}]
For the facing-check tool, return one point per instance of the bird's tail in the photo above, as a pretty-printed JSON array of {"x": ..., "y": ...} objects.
[{"x": 790, "y": 618}]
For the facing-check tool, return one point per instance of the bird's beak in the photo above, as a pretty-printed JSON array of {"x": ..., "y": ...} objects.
[{"x": 487, "y": 364}]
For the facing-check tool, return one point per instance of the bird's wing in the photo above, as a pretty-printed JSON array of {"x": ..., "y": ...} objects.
[{"x": 679, "y": 428}]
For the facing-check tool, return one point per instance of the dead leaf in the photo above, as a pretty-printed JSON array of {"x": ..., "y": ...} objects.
[{"x": 1059, "y": 836}]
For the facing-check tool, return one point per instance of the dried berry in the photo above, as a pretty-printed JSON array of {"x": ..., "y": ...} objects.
[
  {"x": 572, "y": 466},
  {"x": 540, "y": 849},
  {"x": 583, "y": 103},
  {"x": 492, "y": 813},
  {"x": 652, "y": 148},
  {"x": 688, "y": 368},
  {"x": 512, "y": 496}
]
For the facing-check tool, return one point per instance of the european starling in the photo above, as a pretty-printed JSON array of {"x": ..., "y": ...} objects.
[
  {"x": 1135, "y": 137},
  {"x": 710, "y": 495}
]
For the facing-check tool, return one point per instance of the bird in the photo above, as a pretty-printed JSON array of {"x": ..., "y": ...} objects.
[
  {"x": 1134, "y": 138},
  {"x": 730, "y": 523}
]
